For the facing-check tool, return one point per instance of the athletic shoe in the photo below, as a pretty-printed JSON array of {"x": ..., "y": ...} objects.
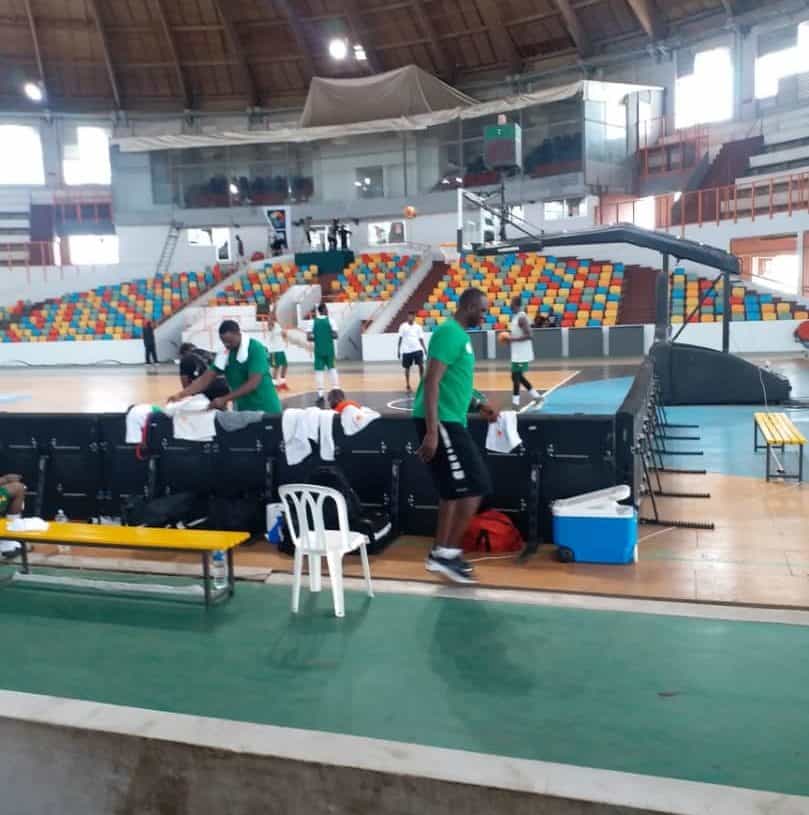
[
  {"x": 10, "y": 549},
  {"x": 456, "y": 569}
]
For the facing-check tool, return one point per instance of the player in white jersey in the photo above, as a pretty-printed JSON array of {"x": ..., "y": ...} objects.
[
  {"x": 411, "y": 348},
  {"x": 522, "y": 353},
  {"x": 276, "y": 345}
]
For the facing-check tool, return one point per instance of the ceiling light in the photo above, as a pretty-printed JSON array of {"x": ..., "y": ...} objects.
[
  {"x": 234, "y": 190},
  {"x": 359, "y": 53},
  {"x": 358, "y": 183},
  {"x": 445, "y": 181},
  {"x": 338, "y": 49},
  {"x": 366, "y": 180},
  {"x": 458, "y": 180},
  {"x": 33, "y": 90}
]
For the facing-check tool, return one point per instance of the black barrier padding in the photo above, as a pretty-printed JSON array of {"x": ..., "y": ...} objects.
[
  {"x": 629, "y": 427},
  {"x": 511, "y": 478},
  {"x": 123, "y": 475},
  {"x": 418, "y": 498},
  {"x": 692, "y": 375},
  {"x": 182, "y": 466},
  {"x": 367, "y": 461},
  {"x": 74, "y": 475},
  {"x": 241, "y": 457},
  {"x": 20, "y": 453}
]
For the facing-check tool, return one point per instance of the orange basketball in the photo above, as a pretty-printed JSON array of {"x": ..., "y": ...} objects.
[
  {"x": 503, "y": 337},
  {"x": 410, "y": 211}
]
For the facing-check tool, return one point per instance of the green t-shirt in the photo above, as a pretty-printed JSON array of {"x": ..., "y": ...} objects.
[
  {"x": 450, "y": 344},
  {"x": 322, "y": 334},
  {"x": 236, "y": 373}
]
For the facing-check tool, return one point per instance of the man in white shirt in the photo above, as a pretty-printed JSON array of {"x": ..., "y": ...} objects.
[
  {"x": 411, "y": 348},
  {"x": 522, "y": 353}
]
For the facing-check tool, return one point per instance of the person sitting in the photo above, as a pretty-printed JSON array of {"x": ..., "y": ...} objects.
[
  {"x": 338, "y": 402},
  {"x": 194, "y": 362},
  {"x": 12, "y": 503}
]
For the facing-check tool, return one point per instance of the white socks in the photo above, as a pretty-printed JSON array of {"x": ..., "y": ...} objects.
[
  {"x": 515, "y": 400},
  {"x": 446, "y": 553},
  {"x": 335, "y": 379},
  {"x": 320, "y": 379}
]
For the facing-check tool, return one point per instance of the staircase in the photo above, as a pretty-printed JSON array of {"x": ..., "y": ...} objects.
[
  {"x": 731, "y": 162},
  {"x": 167, "y": 254},
  {"x": 638, "y": 298},
  {"x": 420, "y": 295}
]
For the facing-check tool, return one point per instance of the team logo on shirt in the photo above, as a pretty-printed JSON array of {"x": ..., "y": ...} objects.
[{"x": 468, "y": 347}]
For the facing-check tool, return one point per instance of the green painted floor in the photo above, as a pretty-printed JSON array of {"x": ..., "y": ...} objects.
[{"x": 695, "y": 699}]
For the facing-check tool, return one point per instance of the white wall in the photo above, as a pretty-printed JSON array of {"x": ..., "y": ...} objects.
[{"x": 72, "y": 353}]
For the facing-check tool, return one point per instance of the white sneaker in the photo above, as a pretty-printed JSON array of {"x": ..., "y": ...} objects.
[{"x": 10, "y": 549}]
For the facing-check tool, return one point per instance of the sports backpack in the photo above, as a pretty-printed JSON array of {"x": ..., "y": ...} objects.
[{"x": 492, "y": 532}]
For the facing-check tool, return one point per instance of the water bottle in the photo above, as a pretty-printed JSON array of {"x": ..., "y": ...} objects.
[
  {"x": 61, "y": 518},
  {"x": 219, "y": 570}
]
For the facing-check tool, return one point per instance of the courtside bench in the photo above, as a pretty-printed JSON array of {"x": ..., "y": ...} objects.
[
  {"x": 200, "y": 542},
  {"x": 779, "y": 432}
]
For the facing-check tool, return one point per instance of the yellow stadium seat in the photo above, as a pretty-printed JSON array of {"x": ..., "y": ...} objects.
[
  {"x": 737, "y": 309},
  {"x": 706, "y": 318},
  {"x": 548, "y": 301},
  {"x": 781, "y": 308},
  {"x": 801, "y": 315},
  {"x": 558, "y": 308},
  {"x": 600, "y": 298},
  {"x": 768, "y": 315},
  {"x": 609, "y": 321}
]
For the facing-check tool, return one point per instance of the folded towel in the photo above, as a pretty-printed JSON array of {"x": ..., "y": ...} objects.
[
  {"x": 503, "y": 435},
  {"x": 356, "y": 418},
  {"x": 27, "y": 525}
]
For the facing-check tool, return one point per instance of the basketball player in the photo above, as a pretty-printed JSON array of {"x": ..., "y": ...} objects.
[
  {"x": 411, "y": 348},
  {"x": 276, "y": 344},
  {"x": 440, "y": 411},
  {"x": 323, "y": 336},
  {"x": 522, "y": 353}
]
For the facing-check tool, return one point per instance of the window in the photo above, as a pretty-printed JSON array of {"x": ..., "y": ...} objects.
[
  {"x": 21, "y": 156},
  {"x": 218, "y": 237},
  {"x": 88, "y": 161},
  {"x": 773, "y": 67},
  {"x": 93, "y": 250},
  {"x": 370, "y": 182},
  {"x": 780, "y": 272},
  {"x": 707, "y": 94},
  {"x": 553, "y": 210}
]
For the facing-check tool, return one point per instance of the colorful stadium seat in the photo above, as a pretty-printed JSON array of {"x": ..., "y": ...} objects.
[
  {"x": 115, "y": 312},
  {"x": 263, "y": 285},
  {"x": 585, "y": 293},
  {"x": 374, "y": 277}
]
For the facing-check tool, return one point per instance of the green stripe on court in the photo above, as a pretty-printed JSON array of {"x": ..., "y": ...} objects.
[{"x": 703, "y": 700}]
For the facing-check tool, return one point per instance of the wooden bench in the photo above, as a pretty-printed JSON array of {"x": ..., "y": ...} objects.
[
  {"x": 201, "y": 542},
  {"x": 779, "y": 432}
]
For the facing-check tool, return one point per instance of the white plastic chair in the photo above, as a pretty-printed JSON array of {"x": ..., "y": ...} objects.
[{"x": 303, "y": 509}]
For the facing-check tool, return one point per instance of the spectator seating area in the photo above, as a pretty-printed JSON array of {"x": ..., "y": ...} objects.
[
  {"x": 372, "y": 277},
  {"x": 115, "y": 312},
  {"x": 216, "y": 192},
  {"x": 745, "y": 303},
  {"x": 263, "y": 284},
  {"x": 584, "y": 293}
]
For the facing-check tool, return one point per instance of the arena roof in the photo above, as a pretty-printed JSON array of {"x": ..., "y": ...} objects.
[{"x": 229, "y": 55}]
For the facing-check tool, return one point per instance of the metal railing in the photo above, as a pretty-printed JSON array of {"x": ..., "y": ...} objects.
[
  {"x": 662, "y": 149},
  {"x": 746, "y": 201}
]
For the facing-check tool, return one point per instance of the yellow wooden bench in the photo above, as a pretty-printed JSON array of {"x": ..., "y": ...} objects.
[
  {"x": 778, "y": 431},
  {"x": 134, "y": 537}
]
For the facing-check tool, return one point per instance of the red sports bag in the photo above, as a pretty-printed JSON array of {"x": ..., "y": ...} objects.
[{"x": 492, "y": 532}]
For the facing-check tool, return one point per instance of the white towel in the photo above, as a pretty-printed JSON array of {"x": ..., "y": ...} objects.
[
  {"x": 27, "y": 525},
  {"x": 296, "y": 439},
  {"x": 327, "y": 435},
  {"x": 311, "y": 422},
  {"x": 503, "y": 435},
  {"x": 192, "y": 418},
  {"x": 220, "y": 361},
  {"x": 355, "y": 419},
  {"x": 135, "y": 422}
]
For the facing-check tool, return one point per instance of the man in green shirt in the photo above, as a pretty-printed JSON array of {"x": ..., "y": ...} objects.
[
  {"x": 246, "y": 368},
  {"x": 323, "y": 335},
  {"x": 440, "y": 410}
]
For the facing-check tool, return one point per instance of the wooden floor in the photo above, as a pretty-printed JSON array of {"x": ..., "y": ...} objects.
[{"x": 758, "y": 554}]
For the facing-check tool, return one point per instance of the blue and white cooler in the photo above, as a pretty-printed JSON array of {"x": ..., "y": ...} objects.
[{"x": 595, "y": 528}]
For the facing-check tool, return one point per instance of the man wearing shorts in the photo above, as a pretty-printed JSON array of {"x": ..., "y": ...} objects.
[
  {"x": 276, "y": 344},
  {"x": 323, "y": 336},
  {"x": 440, "y": 411},
  {"x": 522, "y": 353},
  {"x": 411, "y": 348},
  {"x": 12, "y": 503}
]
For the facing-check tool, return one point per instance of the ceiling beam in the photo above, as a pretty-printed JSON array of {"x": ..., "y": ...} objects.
[
  {"x": 504, "y": 48},
  {"x": 442, "y": 63},
  {"x": 105, "y": 48},
  {"x": 37, "y": 51},
  {"x": 580, "y": 37},
  {"x": 352, "y": 14},
  {"x": 237, "y": 49},
  {"x": 175, "y": 54},
  {"x": 649, "y": 18},
  {"x": 297, "y": 26}
]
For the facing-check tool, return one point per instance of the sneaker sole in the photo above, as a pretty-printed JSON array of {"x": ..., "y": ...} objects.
[{"x": 455, "y": 577}]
